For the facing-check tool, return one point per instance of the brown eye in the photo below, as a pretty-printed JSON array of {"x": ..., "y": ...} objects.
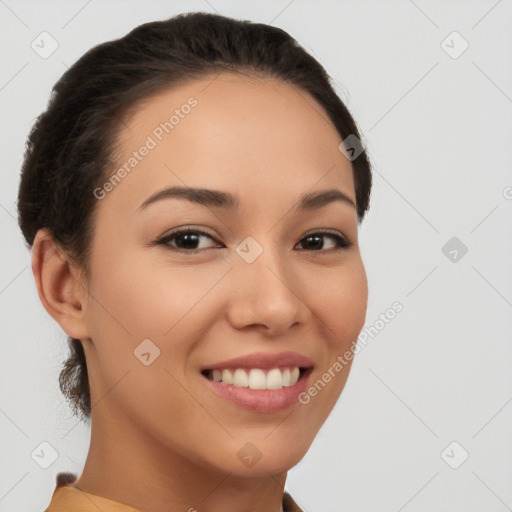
[
  {"x": 187, "y": 240},
  {"x": 316, "y": 241}
]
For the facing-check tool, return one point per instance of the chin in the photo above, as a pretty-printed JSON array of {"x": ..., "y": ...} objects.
[{"x": 263, "y": 458}]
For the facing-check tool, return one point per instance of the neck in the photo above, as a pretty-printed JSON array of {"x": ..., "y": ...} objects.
[{"x": 128, "y": 465}]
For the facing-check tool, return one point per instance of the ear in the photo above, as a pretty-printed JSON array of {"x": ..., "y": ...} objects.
[{"x": 58, "y": 285}]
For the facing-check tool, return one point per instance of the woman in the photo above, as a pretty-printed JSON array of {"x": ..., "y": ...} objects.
[{"x": 192, "y": 197}]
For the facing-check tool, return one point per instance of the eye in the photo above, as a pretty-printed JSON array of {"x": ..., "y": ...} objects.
[
  {"x": 192, "y": 240},
  {"x": 186, "y": 240},
  {"x": 315, "y": 241}
]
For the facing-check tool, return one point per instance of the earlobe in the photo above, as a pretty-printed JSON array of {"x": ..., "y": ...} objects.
[{"x": 58, "y": 285}]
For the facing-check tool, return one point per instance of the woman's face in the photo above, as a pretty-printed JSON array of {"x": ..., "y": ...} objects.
[{"x": 253, "y": 277}]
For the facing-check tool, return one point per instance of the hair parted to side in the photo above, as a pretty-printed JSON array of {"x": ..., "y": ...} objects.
[{"x": 69, "y": 151}]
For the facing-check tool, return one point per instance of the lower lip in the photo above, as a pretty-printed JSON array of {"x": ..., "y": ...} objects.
[{"x": 261, "y": 400}]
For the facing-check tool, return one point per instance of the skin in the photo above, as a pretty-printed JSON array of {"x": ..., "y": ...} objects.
[{"x": 160, "y": 439}]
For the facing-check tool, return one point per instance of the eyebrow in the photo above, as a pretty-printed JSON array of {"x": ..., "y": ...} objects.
[{"x": 217, "y": 198}]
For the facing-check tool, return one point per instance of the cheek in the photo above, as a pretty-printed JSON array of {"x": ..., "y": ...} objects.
[
  {"x": 341, "y": 307},
  {"x": 170, "y": 305},
  {"x": 152, "y": 301},
  {"x": 341, "y": 297}
]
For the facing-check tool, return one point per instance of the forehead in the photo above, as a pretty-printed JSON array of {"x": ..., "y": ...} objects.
[{"x": 258, "y": 137}]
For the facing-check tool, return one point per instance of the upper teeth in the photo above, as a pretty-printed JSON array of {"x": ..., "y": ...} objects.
[{"x": 256, "y": 378}]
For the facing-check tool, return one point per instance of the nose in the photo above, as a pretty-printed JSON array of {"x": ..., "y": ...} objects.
[{"x": 266, "y": 296}]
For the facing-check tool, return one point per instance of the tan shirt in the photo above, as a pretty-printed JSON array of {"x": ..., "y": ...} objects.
[{"x": 71, "y": 499}]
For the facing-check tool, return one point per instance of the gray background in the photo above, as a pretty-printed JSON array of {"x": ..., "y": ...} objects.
[{"x": 438, "y": 129}]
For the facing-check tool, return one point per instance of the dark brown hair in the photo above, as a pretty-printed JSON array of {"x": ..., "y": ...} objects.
[{"x": 69, "y": 149}]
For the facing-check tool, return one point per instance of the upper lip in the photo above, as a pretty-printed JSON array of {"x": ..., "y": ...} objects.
[{"x": 264, "y": 361}]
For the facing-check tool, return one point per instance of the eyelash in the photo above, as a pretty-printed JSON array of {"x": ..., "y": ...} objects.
[{"x": 343, "y": 242}]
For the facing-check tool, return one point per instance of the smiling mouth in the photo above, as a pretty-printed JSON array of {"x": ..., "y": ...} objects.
[{"x": 258, "y": 378}]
